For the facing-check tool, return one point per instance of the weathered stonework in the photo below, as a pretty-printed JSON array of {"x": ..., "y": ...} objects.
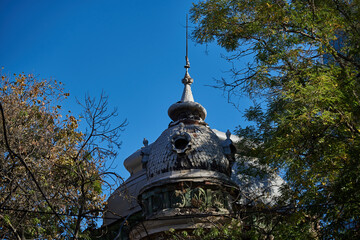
[{"x": 185, "y": 197}]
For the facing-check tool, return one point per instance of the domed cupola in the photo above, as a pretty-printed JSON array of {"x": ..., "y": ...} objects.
[
  {"x": 186, "y": 172},
  {"x": 188, "y": 143},
  {"x": 182, "y": 181},
  {"x": 187, "y": 146},
  {"x": 187, "y": 169}
]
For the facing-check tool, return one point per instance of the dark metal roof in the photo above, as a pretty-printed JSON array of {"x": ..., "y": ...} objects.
[{"x": 187, "y": 147}]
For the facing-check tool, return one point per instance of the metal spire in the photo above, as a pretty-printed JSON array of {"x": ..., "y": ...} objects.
[
  {"x": 187, "y": 40},
  {"x": 187, "y": 80},
  {"x": 187, "y": 108}
]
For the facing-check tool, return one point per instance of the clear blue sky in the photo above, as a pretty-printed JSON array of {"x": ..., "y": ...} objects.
[{"x": 133, "y": 50}]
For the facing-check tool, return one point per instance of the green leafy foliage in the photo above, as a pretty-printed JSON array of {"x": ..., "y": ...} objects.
[
  {"x": 306, "y": 69},
  {"x": 51, "y": 173}
]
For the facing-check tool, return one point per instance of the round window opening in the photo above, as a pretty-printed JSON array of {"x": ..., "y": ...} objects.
[{"x": 181, "y": 142}]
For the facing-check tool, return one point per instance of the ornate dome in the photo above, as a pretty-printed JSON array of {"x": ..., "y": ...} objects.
[
  {"x": 186, "y": 170},
  {"x": 183, "y": 180},
  {"x": 187, "y": 146},
  {"x": 188, "y": 143}
]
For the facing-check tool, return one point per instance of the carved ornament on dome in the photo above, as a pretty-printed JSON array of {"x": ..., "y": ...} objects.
[{"x": 180, "y": 140}]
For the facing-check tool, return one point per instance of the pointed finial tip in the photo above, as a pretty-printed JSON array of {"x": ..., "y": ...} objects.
[{"x": 187, "y": 40}]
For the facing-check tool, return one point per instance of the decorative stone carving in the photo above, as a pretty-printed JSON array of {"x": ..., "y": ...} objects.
[
  {"x": 217, "y": 200},
  {"x": 145, "y": 153},
  {"x": 177, "y": 199},
  {"x": 180, "y": 140},
  {"x": 229, "y": 148},
  {"x": 197, "y": 198}
]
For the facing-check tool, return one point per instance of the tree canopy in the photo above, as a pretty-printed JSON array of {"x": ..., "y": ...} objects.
[
  {"x": 52, "y": 174},
  {"x": 304, "y": 71}
]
